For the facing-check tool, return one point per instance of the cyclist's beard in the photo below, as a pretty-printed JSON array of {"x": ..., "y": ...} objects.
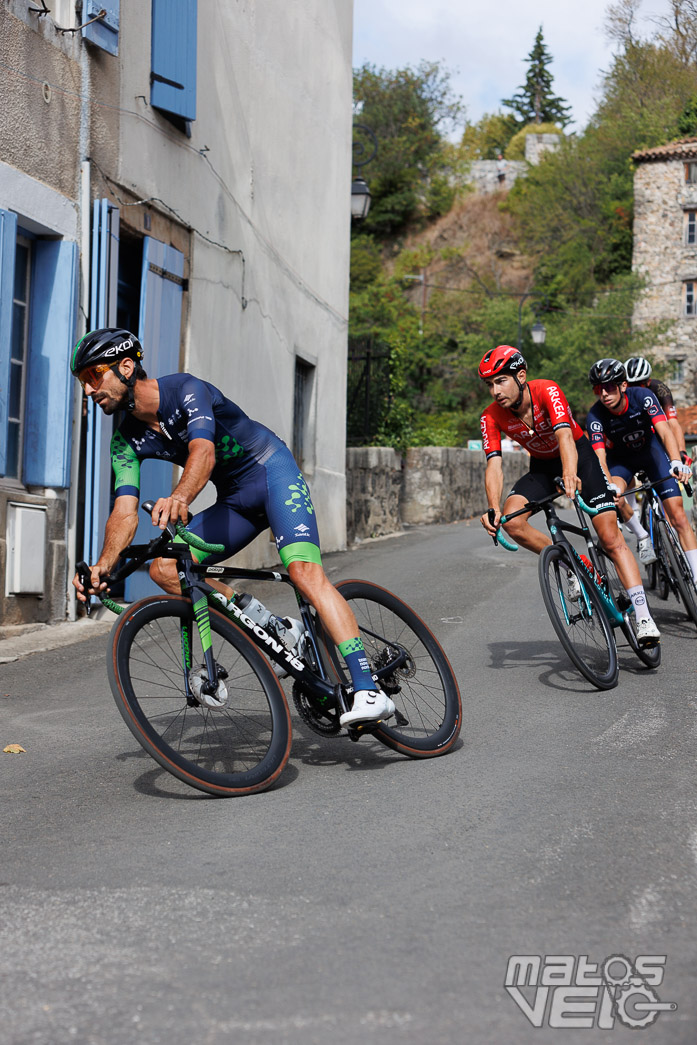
[
  {"x": 110, "y": 402},
  {"x": 519, "y": 401}
]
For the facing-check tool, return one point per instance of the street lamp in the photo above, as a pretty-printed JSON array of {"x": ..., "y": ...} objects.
[
  {"x": 362, "y": 153},
  {"x": 360, "y": 198},
  {"x": 539, "y": 333},
  {"x": 538, "y": 330}
]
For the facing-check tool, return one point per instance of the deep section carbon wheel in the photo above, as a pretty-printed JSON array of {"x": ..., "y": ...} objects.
[
  {"x": 236, "y": 749},
  {"x": 412, "y": 668},
  {"x": 578, "y": 619}
]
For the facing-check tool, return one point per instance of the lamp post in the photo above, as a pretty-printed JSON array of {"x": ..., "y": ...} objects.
[
  {"x": 360, "y": 193},
  {"x": 538, "y": 330}
]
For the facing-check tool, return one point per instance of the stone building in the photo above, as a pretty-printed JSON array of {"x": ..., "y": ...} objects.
[
  {"x": 483, "y": 175},
  {"x": 665, "y": 254},
  {"x": 182, "y": 169}
]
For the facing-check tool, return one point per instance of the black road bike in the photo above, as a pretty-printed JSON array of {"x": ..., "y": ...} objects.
[
  {"x": 671, "y": 572},
  {"x": 583, "y": 595},
  {"x": 167, "y": 651}
]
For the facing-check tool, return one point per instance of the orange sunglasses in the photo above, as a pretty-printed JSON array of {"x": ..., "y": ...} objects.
[{"x": 94, "y": 375}]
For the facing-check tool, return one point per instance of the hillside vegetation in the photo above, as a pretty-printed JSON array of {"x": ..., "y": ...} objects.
[{"x": 559, "y": 243}]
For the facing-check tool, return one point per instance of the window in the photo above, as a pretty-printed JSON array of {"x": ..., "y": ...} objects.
[
  {"x": 689, "y": 299},
  {"x": 677, "y": 371},
  {"x": 691, "y": 173},
  {"x": 18, "y": 357},
  {"x": 38, "y": 310},
  {"x": 301, "y": 411},
  {"x": 102, "y": 31},
  {"x": 173, "y": 60},
  {"x": 690, "y": 227}
]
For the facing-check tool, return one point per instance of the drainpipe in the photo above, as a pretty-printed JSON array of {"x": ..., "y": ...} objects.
[{"x": 85, "y": 207}]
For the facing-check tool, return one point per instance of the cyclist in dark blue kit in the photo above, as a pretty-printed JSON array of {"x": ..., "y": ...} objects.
[
  {"x": 630, "y": 432},
  {"x": 187, "y": 421}
]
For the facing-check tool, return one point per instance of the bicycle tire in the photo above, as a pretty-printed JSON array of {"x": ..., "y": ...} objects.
[
  {"x": 428, "y": 715},
  {"x": 232, "y": 751},
  {"x": 680, "y": 567},
  {"x": 587, "y": 639},
  {"x": 650, "y": 657}
]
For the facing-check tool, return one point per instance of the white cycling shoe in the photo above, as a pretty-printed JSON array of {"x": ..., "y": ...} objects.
[
  {"x": 647, "y": 633},
  {"x": 369, "y": 705},
  {"x": 646, "y": 553}
]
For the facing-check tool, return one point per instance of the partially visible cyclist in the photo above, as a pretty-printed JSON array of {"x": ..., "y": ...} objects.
[
  {"x": 187, "y": 421},
  {"x": 537, "y": 415},
  {"x": 629, "y": 432},
  {"x": 639, "y": 374}
]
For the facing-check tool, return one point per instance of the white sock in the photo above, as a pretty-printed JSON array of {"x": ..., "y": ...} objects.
[
  {"x": 634, "y": 526},
  {"x": 692, "y": 559},
  {"x": 631, "y": 500},
  {"x": 638, "y": 597}
]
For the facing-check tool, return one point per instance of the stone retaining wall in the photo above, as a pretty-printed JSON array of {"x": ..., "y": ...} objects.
[{"x": 433, "y": 484}]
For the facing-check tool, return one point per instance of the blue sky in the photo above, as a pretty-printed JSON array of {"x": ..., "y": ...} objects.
[{"x": 485, "y": 44}]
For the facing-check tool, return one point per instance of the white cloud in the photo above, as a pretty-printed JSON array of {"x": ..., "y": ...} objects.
[{"x": 485, "y": 45}]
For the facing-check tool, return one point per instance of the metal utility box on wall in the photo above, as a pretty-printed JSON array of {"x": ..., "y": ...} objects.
[{"x": 26, "y": 549}]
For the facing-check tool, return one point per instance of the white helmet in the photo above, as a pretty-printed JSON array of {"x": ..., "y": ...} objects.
[{"x": 638, "y": 369}]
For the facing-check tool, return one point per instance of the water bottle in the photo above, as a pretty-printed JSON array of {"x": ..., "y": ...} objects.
[{"x": 254, "y": 609}]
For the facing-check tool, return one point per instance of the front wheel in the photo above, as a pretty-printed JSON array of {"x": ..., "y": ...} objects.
[
  {"x": 579, "y": 621},
  {"x": 680, "y": 568},
  {"x": 236, "y": 749},
  {"x": 423, "y": 686}
]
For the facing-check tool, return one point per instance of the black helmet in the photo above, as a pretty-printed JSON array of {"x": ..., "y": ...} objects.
[
  {"x": 106, "y": 345},
  {"x": 607, "y": 370},
  {"x": 638, "y": 369}
]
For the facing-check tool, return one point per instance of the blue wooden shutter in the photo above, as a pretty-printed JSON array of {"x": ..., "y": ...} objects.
[
  {"x": 104, "y": 32},
  {"x": 8, "y": 244},
  {"x": 173, "y": 57},
  {"x": 159, "y": 332},
  {"x": 104, "y": 276},
  {"x": 49, "y": 385}
]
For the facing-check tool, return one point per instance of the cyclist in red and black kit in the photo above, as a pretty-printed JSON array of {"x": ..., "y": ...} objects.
[{"x": 537, "y": 415}]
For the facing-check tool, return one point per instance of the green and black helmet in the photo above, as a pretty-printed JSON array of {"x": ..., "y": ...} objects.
[{"x": 106, "y": 345}]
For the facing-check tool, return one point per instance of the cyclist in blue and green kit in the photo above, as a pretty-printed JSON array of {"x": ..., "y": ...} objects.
[{"x": 187, "y": 421}]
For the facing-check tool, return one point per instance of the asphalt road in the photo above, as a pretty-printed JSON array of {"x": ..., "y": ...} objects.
[{"x": 367, "y": 898}]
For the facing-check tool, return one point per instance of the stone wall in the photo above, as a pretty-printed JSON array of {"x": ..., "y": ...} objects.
[
  {"x": 433, "y": 484},
  {"x": 483, "y": 175},
  {"x": 662, "y": 199}
]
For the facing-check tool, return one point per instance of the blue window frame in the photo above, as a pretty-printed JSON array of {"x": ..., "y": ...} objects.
[
  {"x": 173, "y": 57},
  {"x": 104, "y": 32},
  {"x": 38, "y": 308}
]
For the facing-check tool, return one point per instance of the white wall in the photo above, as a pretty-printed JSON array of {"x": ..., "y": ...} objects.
[{"x": 274, "y": 114}]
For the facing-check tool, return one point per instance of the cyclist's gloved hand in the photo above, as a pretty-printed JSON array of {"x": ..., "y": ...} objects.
[
  {"x": 615, "y": 489},
  {"x": 685, "y": 458},
  {"x": 681, "y": 471}
]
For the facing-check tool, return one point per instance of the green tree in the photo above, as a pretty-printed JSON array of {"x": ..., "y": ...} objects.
[
  {"x": 487, "y": 138},
  {"x": 409, "y": 111},
  {"x": 534, "y": 101}
]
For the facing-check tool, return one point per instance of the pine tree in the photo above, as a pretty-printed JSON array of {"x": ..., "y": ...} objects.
[{"x": 534, "y": 102}]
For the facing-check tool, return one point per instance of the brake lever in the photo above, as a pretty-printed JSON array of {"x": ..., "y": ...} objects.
[
  {"x": 491, "y": 516},
  {"x": 85, "y": 578}
]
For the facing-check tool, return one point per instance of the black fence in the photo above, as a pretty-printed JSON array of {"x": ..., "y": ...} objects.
[{"x": 368, "y": 392}]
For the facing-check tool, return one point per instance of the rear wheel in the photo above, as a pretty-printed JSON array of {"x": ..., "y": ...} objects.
[
  {"x": 422, "y": 684},
  {"x": 650, "y": 657},
  {"x": 580, "y": 622},
  {"x": 680, "y": 568},
  {"x": 237, "y": 749}
]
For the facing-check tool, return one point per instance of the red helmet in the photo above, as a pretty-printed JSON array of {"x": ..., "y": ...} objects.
[{"x": 504, "y": 359}]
